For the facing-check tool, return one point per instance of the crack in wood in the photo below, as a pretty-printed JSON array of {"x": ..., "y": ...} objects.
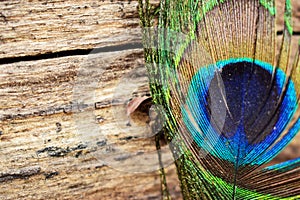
[
  {"x": 49, "y": 175},
  {"x": 295, "y": 33},
  {"x": 59, "y": 151},
  {"x": 21, "y": 173},
  {"x": 67, "y": 109},
  {"x": 74, "y": 52}
]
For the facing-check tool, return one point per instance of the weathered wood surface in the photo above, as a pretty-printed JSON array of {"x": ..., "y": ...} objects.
[
  {"x": 40, "y": 132},
  {"x": 38, "y": 27},
  {"x": 46, "y": 149}
]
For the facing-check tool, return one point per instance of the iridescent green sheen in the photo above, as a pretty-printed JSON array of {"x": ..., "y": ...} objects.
[
  {"x": 288, "y": 16},
  {"x": 270, "y": 5},
  {"x": 230, "y": 42}
]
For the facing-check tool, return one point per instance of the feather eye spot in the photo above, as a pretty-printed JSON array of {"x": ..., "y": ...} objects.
[{"x": 238, "y": 103}]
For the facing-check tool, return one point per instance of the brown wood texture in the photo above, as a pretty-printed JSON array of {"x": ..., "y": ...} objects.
[{"x": 46, "y": 149}]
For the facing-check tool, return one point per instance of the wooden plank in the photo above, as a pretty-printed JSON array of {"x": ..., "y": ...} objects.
[
  {"x": 36, "y": 27},
  {"x": 28, "y": 88},
  {"x": 69, "y": 167},
  {"x": 39, "y": 27},
  {"x": 47, "y": 149}
]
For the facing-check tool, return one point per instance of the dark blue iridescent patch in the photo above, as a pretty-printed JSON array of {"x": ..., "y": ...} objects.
[{"x": 240, "y": 106}]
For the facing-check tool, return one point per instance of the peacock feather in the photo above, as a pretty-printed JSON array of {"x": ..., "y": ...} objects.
[{"x": 230, "y": 99}]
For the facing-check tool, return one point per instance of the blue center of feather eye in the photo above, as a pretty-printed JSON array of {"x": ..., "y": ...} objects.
[{"x": 236, "y": 108}]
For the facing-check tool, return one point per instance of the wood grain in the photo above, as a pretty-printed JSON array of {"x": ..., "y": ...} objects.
[
  {"x": 36, "y": 27},
  {"x": 64, "y": 132},
  {"x": 44, "y": 126}
]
